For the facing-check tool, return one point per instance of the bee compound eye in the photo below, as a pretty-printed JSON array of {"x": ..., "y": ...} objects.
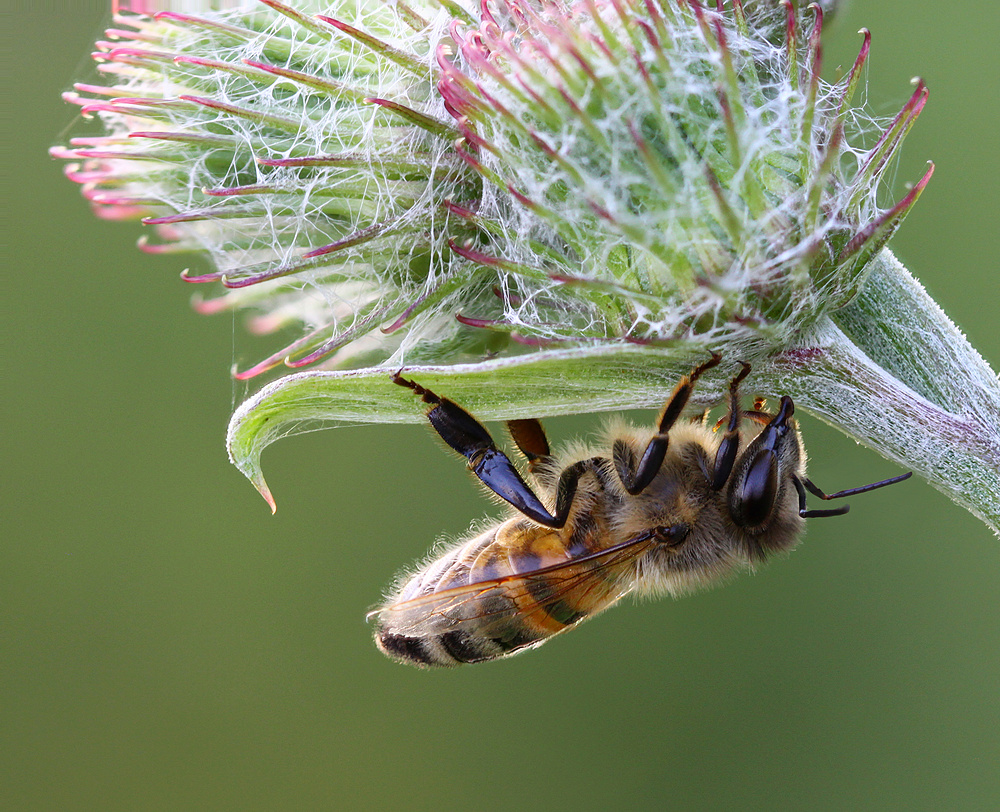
[
  {"x": 672, "y": 536},
  {"x": 752, "y": 502}
]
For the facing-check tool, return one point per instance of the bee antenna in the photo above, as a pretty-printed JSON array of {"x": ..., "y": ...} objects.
[{"x": 802, "y": 484}]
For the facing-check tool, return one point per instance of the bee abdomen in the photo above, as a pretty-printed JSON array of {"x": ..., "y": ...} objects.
[
  {"x": 470, "y": 645},
  {"x": 448, "y": 649},
  {"x": 473, "y": 605},
  {"x": 405, "y": 649}
]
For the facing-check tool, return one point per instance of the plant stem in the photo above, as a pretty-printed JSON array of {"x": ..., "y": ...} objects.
[{"x": 894, "y": 372}]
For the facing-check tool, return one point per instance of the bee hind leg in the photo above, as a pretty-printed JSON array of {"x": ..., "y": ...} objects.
[{"x": 466, "y": 435}]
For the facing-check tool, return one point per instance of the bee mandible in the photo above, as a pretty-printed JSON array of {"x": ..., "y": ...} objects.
[{"x": 654, "y": 511}]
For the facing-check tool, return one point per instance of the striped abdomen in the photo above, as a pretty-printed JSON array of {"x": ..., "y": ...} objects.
[{"x": 509, "y": 589}]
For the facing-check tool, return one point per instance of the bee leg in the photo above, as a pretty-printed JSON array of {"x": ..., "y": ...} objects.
[
  {"x": 726, "y": 455},
  {"x": 568, "y": 481},
  {"x": 466, "y": 435},
  {"x": 813, "y": 489},
  {"x": 529, "y": 437},
  {"x": 762, "y": 418},
  {"x": 635, "y": 477}
]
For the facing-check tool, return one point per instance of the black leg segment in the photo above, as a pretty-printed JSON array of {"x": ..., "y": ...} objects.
[
  {"x": 466, "y": 435},
  {"x": 726, "y": 455},
  {"x": 568, "y": 481},
  {"x": 636, "y": 477}
]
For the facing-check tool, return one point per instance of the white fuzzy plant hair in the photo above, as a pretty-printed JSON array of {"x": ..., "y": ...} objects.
[{"x": 550, "y": 172}]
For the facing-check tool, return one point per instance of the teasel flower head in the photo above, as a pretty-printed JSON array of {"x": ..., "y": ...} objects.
[
  {"x": 558, "y": 206},
  {"x": 665, "y": 174},
  {"x": 413, "y": 186}
]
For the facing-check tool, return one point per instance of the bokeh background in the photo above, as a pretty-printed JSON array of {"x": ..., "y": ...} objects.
[{"x": 167, "y": 644}]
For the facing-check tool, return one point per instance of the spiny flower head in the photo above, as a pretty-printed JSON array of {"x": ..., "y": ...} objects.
[{"x": 436, "y": 183}]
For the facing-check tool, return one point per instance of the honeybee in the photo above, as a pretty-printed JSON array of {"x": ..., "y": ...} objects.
[{"x": 656, "y": 511}]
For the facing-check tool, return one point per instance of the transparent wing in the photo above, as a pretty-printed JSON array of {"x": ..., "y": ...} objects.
[{"x": 551, "y": 597}]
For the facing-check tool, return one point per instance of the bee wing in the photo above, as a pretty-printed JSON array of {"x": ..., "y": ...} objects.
[{"x": 550, "y": 598}]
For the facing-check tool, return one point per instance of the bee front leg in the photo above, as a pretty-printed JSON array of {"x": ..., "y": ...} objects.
[
  {"x": 636, "y": 478},
  {"x": 466, "y": 435},
  {"x": 726, "y": 455}
]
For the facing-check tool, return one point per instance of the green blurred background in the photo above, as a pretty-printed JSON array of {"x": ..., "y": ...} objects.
[{"x": 167, "y": 644}]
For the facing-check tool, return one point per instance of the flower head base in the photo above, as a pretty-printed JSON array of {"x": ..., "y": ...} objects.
[{"x": 430, "y": 184}]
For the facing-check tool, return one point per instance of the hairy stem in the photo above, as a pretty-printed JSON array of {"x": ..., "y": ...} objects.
[
  {"x": 892, "y": 371},
  {"x": 897, "y": 324}
]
